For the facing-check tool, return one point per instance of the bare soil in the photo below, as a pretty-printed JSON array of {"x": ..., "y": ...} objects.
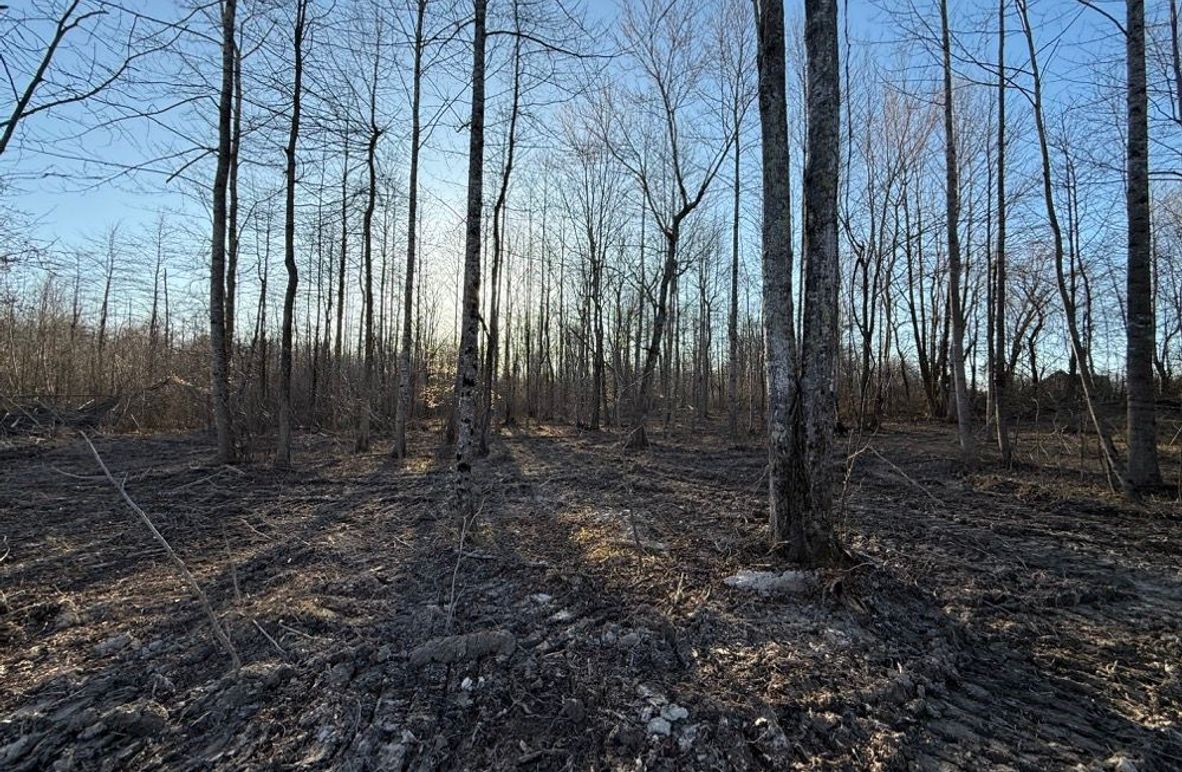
[{"x": 1024, "y": 619}]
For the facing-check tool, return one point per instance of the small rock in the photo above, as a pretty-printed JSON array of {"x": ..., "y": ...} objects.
[
  {"x": 563, "y": 615},
  {"x": 628, "y": 640},
  {"x": 574, "y": 710},
  {"x": 659, "y": 727},
  {"x": 674, "y": 712},
  {"x": 541, "y": 598},
  {"x": 1122, "y": 764},
  {"x": 113, "y": 645},
  {"x": 768, "y": 583}
]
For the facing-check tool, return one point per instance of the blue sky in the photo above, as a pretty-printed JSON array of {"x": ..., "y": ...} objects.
[{"x": 63, "y": 196}]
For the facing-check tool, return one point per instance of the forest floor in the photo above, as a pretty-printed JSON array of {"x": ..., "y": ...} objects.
[{"x": 1024, "y": 619}]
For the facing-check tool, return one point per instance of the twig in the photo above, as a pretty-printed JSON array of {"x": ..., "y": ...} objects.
[
  {"x": 904, "y": 475},
  {"x": 218, "y": 630},
  {"x": 268, "y": 636},
  {"x": 233, "y": 570},
  {"x": 455, "y": 574}
]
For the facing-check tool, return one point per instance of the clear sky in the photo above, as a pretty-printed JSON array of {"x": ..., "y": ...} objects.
[{"x": 70, "y": 198}]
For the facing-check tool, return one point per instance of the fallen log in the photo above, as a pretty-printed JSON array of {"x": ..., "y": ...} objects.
[{"x": 462, "y": 648}]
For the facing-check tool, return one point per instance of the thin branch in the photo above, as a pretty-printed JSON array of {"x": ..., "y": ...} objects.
[{"x": 182, "y": 569}]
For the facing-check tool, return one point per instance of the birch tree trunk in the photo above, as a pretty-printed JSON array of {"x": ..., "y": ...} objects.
[{"x": 466, "y": 428}]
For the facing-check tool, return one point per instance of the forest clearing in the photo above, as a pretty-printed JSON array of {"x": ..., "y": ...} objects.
[
  {"x": 591, "y": 385},
  {"x": 1000, "y": 621}
]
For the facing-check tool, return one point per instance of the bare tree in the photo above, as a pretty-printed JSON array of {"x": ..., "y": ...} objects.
[
  {"x": 1086, "y": 378},
  {"x": 283, "y": 450},
  {"x": 736, "y": 55},
  {"x": 1001, "y": 374},
  {"x": 800, "y": 427},
  {"x": 662, "y": 45},
  {"x": 964, "y": 408},
  {"x": 466, "y": 366},
  {"x": 402, "y": 414},
  {"x": 815, "y": 540},
  {"x": 1143, "y": 471},
  {"x": 219, "y": 366},
  {"x": 365, "y": 399}
]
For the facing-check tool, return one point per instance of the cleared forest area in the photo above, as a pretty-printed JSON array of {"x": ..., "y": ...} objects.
[
  {"x": 583, "y": 385},
  {"x": 1024, "y": 620}
]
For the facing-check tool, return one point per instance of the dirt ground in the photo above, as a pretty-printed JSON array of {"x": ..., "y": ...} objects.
[{"x": 1018, "y": 620}]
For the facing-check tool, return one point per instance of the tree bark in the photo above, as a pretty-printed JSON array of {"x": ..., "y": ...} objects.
[
  {"x": 402, "y": 413},
  {"x": 815, "y": 542},
  {"x": 283, "y": 450},
  {"x": 1001, "y": 373},
  {"x": 1083, "y": 363},
  {"x": 964, "y": 409},
  {"x": 1143, "y": 470},
  {"x": 219, "y": 367},
  {"x": 466, "y": 429},
  {"x": 365, "y": 398}
]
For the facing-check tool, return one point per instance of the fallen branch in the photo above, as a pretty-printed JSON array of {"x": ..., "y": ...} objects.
[
  {"x": 904, "y": 475},
  {"x": 455, "y": 574},
  {"x": 218, "y": 630}
]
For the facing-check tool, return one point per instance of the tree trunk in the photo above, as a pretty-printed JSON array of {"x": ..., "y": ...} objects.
[
  {"x": 785, "y": 469},
  {"x": 466, "y": 428},
  {"x": 732, "y": 329},
  {"x": 1143, "y": 471},
  {"x": 815, "y": 542},
  {"x": 1111, "y": 458},
  {"x": 365, "y": 398},
  {"x": 1000, "y": 371},
  {"x": 964, "y": 409},
  {"x": 402, "y": 413},
  {"x": 219, "y": 367},
  {"x": 283, "y": 451}
]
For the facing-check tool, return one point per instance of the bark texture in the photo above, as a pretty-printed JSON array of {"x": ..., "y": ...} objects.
[
  {"x": 964, "y": 408},
  {"x": 283, "y": 450},
  {"x": 219, "y": 366},
  {"x": 1143, "y": 470},
  {"x": 466, "y": 428}
]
